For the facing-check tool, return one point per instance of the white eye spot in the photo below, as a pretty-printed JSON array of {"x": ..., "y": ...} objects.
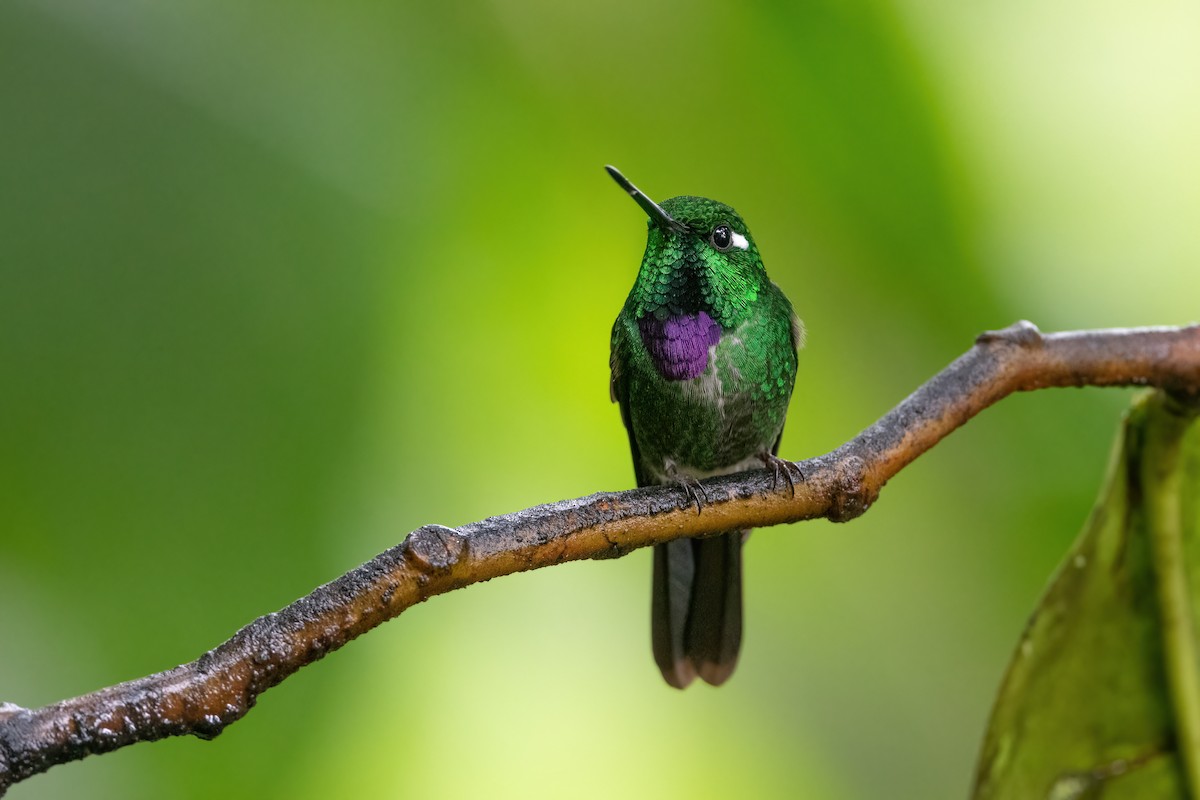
[{"x": 739, "y": 241}]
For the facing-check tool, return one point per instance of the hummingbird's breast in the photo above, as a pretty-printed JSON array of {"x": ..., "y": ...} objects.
[{"x": 704, "y": 399}]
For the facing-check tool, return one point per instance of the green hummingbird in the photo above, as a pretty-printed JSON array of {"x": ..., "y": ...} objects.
[{"x": 703, "y": 362}]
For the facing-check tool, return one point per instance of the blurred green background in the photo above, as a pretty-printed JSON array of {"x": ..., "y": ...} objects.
[{"x": 282, "y": 282}]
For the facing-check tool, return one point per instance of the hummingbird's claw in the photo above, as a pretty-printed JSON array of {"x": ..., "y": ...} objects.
[
  {"x": 782, "y": 465},
  {"x": 691, "y": 487},
  {"x": 694, "y": 489}
]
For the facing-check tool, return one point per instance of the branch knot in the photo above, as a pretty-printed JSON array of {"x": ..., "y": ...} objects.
[
  {"x": 852, "y": 494},
  {"x": 435, "y": 549},
  {"x": 1022, "y": 333}
]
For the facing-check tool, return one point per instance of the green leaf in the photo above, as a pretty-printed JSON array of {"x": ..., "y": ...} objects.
[{"x": 1102, "y": 698}]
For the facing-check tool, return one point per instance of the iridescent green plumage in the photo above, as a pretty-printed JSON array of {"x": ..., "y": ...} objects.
[{"x": 703, "y": 362}]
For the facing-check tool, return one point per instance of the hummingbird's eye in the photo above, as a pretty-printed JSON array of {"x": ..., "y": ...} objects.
[{"x": 721, "y": 237}]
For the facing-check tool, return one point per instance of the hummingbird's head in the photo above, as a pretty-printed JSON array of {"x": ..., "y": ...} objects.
[{"x": 699, "y": 257}]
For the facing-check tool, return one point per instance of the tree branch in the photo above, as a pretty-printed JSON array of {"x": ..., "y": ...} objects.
[{"x": 203, "y": 697}]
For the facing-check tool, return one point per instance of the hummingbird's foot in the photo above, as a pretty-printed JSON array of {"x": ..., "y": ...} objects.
[
  {"x": 782, "y": 465},
  {"x": 691, "y": 487}
]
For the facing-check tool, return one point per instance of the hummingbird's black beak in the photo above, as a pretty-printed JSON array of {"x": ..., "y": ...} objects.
[{"x": 652, "y": 208}]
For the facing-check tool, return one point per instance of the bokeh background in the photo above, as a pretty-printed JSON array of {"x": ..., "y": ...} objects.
[{"x": 282, "y": 282}]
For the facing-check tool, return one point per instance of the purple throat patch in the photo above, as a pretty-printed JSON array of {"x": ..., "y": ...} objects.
[{"x": 679, "y": 345}]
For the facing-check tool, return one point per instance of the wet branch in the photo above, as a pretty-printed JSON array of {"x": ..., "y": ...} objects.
[{"x": 204, "y": 696}]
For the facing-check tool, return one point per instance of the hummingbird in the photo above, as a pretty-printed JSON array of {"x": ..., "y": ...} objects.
[{"x": 703, "y": 362}]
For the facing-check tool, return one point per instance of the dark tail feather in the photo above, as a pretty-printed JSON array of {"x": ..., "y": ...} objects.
[
  {"x": 697, "y": 608},
  {"x": 674, "y": 570},
  {"x": 714, "y": 627}
]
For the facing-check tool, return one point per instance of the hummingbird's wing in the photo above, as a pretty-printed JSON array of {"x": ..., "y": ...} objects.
[
  {"x": 618, "y": 392},
  {"x": 798, "y": 333},
  {"x": 797, "y": 325}
]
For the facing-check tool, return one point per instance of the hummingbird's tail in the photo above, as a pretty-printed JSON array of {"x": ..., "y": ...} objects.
[{"x": 696, "y": 608}]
